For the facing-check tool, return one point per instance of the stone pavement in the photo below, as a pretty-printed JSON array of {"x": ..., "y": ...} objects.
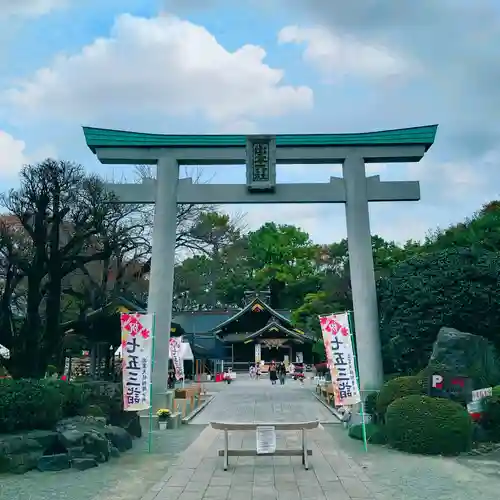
[
  {"x": 198, "y": 474},
  {"x": 248, "y": 400},
  {"x": 339, "y": 467}
]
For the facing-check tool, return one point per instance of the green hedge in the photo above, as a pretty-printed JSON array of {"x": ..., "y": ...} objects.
[
  {"x": 375, "y": 434},
  {"x": 29, "y": 404},
  {"x": 74, "y": 396},
  {"x": 371, "y": 406},
  {"x": 431, "y": 426},
  {"x": 38, "y": 404},
  {"x": 397, "y": 388},
  {"x": 490, "y": 419}
]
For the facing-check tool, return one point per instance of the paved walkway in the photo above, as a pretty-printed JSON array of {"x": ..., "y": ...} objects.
[
  {"x": 339, "y": 468},
  {"x": 248, "y": 400}
]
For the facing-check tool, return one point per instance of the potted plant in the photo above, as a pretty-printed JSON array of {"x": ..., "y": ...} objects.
[{"x": 163, "y": 415}]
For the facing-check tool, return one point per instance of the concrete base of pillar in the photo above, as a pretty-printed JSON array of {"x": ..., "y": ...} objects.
[
  {"x": 163, "y": 400},
  {"x": 175, "y": 420}
]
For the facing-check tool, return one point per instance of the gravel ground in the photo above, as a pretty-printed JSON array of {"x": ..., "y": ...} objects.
[
  {"x": 125, "y": 478},
  {"x": 416, "y": 477}
]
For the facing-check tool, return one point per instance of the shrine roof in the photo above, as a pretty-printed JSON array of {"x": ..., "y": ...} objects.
[
  {"x": 273, "y": 326},
  {"x": 108, "y": 138},
  {"x": 256, "y": 305},
  {"x": 269, "y": 327}
]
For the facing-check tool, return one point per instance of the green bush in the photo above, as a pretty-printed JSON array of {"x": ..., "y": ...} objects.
[
  {"x": 490, "y": 419},
  {"x": 397, "y": 388},
  {"x": 375, "y": 434},
  {"x": 431, "y": 426},
  {"x": 93, "y": 411},
  {"x": 108, "y": 396},
  {"x": 28, "y": 404},
  {"x": 74, "y": 396},
  {"x": 371, "y": 405}
]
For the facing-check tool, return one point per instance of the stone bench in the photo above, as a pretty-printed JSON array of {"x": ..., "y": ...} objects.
[{"x": 303, "y": 452}]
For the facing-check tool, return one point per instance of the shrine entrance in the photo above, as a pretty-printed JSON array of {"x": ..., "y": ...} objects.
[
  {"x": 260, "y": 154},
  {"x": 260, "y": 333}
]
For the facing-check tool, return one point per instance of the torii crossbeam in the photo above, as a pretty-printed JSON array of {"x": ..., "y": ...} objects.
[{"x": 261, "y": 154}]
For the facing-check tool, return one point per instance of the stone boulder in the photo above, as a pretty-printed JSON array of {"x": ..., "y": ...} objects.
[
  {"x": 465, "y": 354},
  {"x": 118, "y": 437},
  {"x": 77, "y": 442},
  {"x": 53, "y": 463},
  {"x": 21, "y": 453},
  {"x": 85, "y": 434},
  {"x": 128, "y": 420}
]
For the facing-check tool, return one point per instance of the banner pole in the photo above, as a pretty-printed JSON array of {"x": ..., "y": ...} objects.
[
  {"x": 355, "y": 351},
  {"x": 150, "y": 432}
]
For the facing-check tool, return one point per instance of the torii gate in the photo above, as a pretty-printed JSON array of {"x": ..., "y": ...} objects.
[{"x": 261, "y": 154}]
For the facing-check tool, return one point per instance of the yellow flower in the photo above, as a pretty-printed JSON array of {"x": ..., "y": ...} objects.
[{"x": 163, "y": 413}]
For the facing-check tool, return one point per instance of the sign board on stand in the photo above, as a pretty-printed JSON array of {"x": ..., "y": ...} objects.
[
  {"x": 266, "y": 439},
  {"x": 451, "y": 386},
  {"x": 482, "y": 393}
]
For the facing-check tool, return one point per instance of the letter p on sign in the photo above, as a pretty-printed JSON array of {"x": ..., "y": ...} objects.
[{"x": 437, "y": 381}]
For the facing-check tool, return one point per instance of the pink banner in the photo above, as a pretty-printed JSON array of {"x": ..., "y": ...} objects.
[
  {"x": 137, "y": 356},
  {"x": 340, "y": 357}
]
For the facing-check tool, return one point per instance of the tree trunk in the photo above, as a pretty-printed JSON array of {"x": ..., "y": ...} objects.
[
  {"x": 52, "y": 340},
  {"x": 26, "y": 351},
  {"x": 6, "y": 333},
  {"x": 52, "y": 345}
]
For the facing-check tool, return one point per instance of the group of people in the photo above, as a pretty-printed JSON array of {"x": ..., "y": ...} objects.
[
  {"x": 277, "y": 372},
  {"x": 255, "y": 371}
]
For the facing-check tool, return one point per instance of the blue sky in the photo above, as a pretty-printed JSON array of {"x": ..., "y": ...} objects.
[{"x": 296, "y": 66}]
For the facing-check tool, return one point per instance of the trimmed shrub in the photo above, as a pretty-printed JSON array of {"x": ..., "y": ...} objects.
[
  {"x": 431, "y": 426},
  {"x": 397, "y": 388},
  {"x": 28, "y": 404},
  {"x": 371, "y": 406},
  {"x": 93, "y": 411},
  {"x": 490, "y": 419},
  {"x": 375, "y": 434},
  {"x": 107, "y": 395},
  {"x": 74, "y": 396}
]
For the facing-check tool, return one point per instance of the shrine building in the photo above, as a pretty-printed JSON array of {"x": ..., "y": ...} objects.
[{"x": 248, "y": 335}]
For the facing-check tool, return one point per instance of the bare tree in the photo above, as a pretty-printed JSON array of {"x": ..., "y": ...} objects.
[{"x": 71, "y": 221}]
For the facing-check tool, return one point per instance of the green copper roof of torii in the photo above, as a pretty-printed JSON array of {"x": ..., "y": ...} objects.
[{"x": 107, "y": 138}]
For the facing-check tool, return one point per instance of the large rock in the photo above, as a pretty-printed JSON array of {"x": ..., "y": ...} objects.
[
  {"x": 19, "y": 454},
  {"x": 97, "y": 445},
  {"x": 118, "y": 437},
  {"x": 88, "y": 434},
  {"x": 465, "y": 354},
  {"x": 83, "y": 463},
  {"x": 128, "y": 420},
  {"x": 53, "y": 462}
]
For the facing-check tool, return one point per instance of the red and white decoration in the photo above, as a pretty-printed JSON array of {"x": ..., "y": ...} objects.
[
  {"x": 137, "y": 357},
  {"x": 176, "y": 357},
  {"x": 340, "y": 357}
]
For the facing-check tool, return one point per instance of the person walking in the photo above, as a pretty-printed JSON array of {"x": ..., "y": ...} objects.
[
  {"x": 282, "y": 373},
  {"x": 273, "y": 375}
]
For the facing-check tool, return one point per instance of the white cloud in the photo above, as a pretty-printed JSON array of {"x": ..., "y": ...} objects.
[
  {"x": 338, "y": 56},
  {"x": 161, "y": 66},
  {"x": 13, "y": 155},
  {"x": 29, "y": 8}
]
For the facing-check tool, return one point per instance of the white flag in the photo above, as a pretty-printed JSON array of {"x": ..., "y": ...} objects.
[
  {"x": 137, "y": 358},
  {"x": 337, "y": 338}
]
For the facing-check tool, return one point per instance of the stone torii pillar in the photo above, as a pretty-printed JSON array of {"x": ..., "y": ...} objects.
[{"x": 260, "y": 154}]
